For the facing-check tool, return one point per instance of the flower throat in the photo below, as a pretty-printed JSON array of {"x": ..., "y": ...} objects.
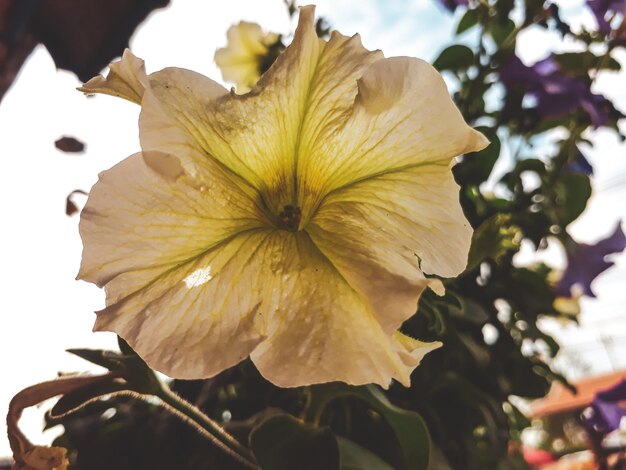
[{"x": 289, "y": 218}]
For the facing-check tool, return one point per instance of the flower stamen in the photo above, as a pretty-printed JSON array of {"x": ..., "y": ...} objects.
[{"x": 289, "y": 218}]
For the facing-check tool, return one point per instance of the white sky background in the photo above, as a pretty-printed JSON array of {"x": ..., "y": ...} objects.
[{"x": 44, "y": 311}]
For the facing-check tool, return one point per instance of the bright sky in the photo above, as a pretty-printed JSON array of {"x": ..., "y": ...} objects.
[{"x": 45, "y": 311}]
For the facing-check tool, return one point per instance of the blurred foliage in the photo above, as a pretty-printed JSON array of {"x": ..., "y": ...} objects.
[{"x": 457, "y": 412}]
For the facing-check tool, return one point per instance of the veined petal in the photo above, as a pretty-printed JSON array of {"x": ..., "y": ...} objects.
[
  {"x": 261, "y": 136},
  {"x": 382, "y": 233},
  {"x": 126, "y": 79},
  {"x": 322, "y": 330},
  {"x": 253, "y": 135},
  {"x": 271, "y": 294},
  {"x": 164, "y": 215},
  {"x": 330, "y": 101},
  {"x": 402, "y": 117},
  {"x": 176, "y": 113},
  {"x": 208, "y": 311}
]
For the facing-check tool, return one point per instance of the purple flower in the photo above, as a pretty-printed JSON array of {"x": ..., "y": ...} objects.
[
  {"x": 586, "y": 262},
  {"x": 606, "y": 411},
  {"x": 452, "y": 5},
  {"x": 602, "y": 8},
  {"x": 580, "y": 164},
  {"x": 555, "y": 93}
]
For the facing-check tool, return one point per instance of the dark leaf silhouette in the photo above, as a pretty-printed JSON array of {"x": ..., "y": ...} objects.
[
  {"x": 70, "y": 207},
  {"x": 82, "y": 36},
  {"x": 69, "y": 144}
]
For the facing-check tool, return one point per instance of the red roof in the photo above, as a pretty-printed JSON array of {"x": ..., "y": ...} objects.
[{"x": 561, "y": 400}]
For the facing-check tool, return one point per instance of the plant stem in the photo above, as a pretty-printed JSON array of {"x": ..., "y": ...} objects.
[
  {"x": 207, "y": 427},
  {"x": 319, "y": 397}
]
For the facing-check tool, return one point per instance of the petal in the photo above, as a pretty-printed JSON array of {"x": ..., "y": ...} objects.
[
  {"x": 146, "y": 215},
  {"x": 248, "y": 39},
  {"x": 260, "y": 136},
  {"x": 254, "y": 135},
  {"x": 330, "y": 102},
  {"x": 126, "y": 79},
  {"x": 383, "y": 232},
  {"x": 243, "y": 74},
  {"x": 322, "y": 330},
  {"x": 176, "y": 118},
  {"x": 199, "y": 317},
  {"x": 269, "y": 293},
  {"x": 240, "y": 62},
  {"x": 411, "y": 350},
  {"x": 402, "y": 117}
]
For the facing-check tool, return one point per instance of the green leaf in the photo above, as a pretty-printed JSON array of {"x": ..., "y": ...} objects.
[
  {"x": 438, "y": 460},
  {"x": 500, "y": 32},
  {"x": 107, "y": 359},
  {"x": 579, "y": 63},
  {"x": 530, "y": 164},
  {"x": 355, "y": 457},
  {"x": 470, "y": 311},
  {"x": 432, "y": 309},
  {"x": 142, "y": 377},
  {"x": 504, "y": 7},
  {"x": 534, "y": 333},
  {"x": 490, "y": 408},
  {"x": 513, "y": 178},
  {"x": 408, "y": 426},
  {"x": 550, "y": 123},
  {"x": 517, "y": 419},
  {"x": 476, "y": 349},
  {"x": 469, "y": 20},
  {"x": 572, "y": 193},
  {"x": 476, "y": 167},
  {"x": 455, "y": 57},
  {"x": 533, "y": 280},
  {"x": 284, "y": 443},
  {"x": 492, "y": 240}
]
